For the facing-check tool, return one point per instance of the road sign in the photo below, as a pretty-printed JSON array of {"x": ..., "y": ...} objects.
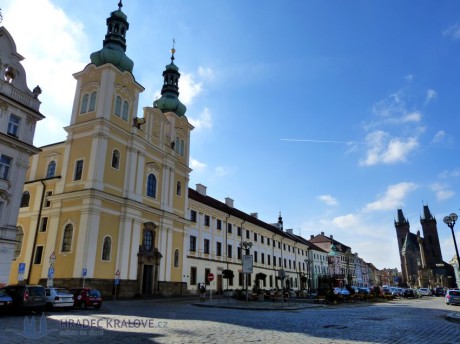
[
  {"x": 50, "y": 273},
  {"x": 22, "y": 268},
  {"x": 247, "y": 264},
  {"x": 211, "y": 277},
  {"x": 117, "y": 281},
  {"x": 52, "y": 258},
  {"x": 84, "y": 271}
]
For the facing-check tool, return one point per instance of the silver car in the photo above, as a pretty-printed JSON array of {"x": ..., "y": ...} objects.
[
  {"x": 58, "y": 298},
  {"x": 452, "y": 296}
]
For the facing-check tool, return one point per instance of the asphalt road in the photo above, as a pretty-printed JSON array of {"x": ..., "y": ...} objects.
[{"x": 172, "y": 321}]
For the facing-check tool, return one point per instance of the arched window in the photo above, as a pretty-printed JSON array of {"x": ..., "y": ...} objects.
[
  {"x": 151, "y": 185},
  {"x": 25, "y": 199},
  {"x": 106, "y": 248},
  {"x": 182, "y": 147},
  {"x": 84, "y": 104},
  {"x": 19, "y": 237},
  {"x": 176, "y": 258},
  {"x": 92, "y": 102},
  {"x": 67, "y": 239},
  {"x": 178, "y": 188},
  {"x": 51, "y": 170},
  {"x": 116, "y": 159},
  {"x": 125, "y": 110},
  {"x": 148, "y": 240},
  {"x": 118, "y": 106}
]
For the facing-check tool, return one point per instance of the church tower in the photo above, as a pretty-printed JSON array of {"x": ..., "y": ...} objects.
[
  {"x": 431, "y": 243},
  {"x": 111, "y": 200},
  {"x": 402, "y": 227}
]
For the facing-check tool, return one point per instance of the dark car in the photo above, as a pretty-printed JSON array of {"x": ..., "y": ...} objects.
[
  {"x": 27, "y": 297},
  {"x": 86, "y": 297},
  {"x": 409, "y": 293},
  {"x": 6, "y": 301},
  {"x": 439, "y": 292}
]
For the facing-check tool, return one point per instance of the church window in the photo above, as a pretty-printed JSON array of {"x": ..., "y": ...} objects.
[
  {"x": 106, "y": 248},
  {"x": 179, "y": 189},
  {"x": 78, "y": 170},
  {"x": 84, "y": 104},
  {"x": 181, "y": 147},
  {"x": 118, "y": 106},
  {"x": 92, "y": 102},
  {"x": 67, "y": 239},
  {"x": 51, "y": 170},
  {"x": 176, "y": 258},
  {"x": 25, "y": 199},
  {"x": 116, "y": 159},
  {"x": 148, "y": 240},
  {"x": 151, "y": 185},
  {"x": 125, "y": 110}
]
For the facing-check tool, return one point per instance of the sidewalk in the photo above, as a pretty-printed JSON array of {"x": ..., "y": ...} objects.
[{"x": 258, "y": 305}]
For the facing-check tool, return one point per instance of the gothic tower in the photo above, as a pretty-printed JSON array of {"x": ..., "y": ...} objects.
[
  {"x": 402, "y": 227},
  {"x": 431, "y": 244}
]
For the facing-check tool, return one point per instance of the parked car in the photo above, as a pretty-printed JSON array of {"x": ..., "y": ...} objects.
[
  {"x": 410, "y": 293},
  {"x": 341, "y": 291},
  {"x": 6, "y": 301},
  {"x": 452, "y": 296},
  {"x": 86, "y": 297},
  {"x": 58, "y": 298},
  {"x": 27, "y": 297},
  {"x": 425, "y": 291},
  {"x": 439, "y": 292}
]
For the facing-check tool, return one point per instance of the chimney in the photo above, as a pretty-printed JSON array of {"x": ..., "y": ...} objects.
[
  {"x": 229, "y": 202},
  {"x": 332, "y": 238},
  {"x": 256, "y": 215},
  {"x": 289, "y": 230},
  {"x": 201, "y": 189},
  {"x": 322, "y": 233},
  {"x": 311, "y": 236}
]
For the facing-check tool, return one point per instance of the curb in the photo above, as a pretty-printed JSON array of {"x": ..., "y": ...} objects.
[{"x": 453, "y": 317}]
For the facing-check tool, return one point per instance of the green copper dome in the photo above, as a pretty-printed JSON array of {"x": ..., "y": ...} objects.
[
  {"x": 114, "y": 45},
  {"x": 169, "y": 101}
]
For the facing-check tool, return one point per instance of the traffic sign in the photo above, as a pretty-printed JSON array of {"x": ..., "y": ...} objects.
[
  {"x": 52, "y": 258},
  {"x": 117, "y": 273},
  {"x": 22, "y": 268},
  {"x": 211, "y": 277},
  {"x": 84, "y": 271},
  {"x": 50, "y": 273}
]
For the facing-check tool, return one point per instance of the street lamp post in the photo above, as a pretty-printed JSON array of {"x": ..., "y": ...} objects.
[
  {"x": 247, "y": 262},
  {"x": 308, "y": 262},
  {"x": 450, "y": 222}
]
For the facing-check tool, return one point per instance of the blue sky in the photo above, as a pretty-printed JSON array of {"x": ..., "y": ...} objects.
[{"x": 334, "y": 113}]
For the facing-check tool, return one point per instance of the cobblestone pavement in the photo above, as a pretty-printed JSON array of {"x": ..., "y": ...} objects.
[{"x": 153, "y": 321}]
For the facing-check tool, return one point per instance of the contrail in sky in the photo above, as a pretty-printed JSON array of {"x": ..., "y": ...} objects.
[{"x": 321, "y": 141}]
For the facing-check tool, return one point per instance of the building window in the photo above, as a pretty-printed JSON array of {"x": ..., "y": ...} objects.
[
  {"x": 268, "y": 241},
  {"x": 274, "y": 261},
  {"x": 116, "y": 159},
  {"x": 19, "y": 237},
  {"x": 206, "y": 246},
  {"x": 106, "y": 248},
  {"x": 229, "y": 228},
  {"x": 148, "y": 240},
  {"x": 270, "y": 279},
  {"x": 151, "y": 185},
  {"x": 206, "y": 273},
  {"x": 219, "y": 224},
  {"x": 5, "y": 163},
  {"x": 44, "y": 224},
  {"x": 51, "y": 170},
  {"x": 261, "y": 239},
  {"x": 240, "y": 279},
  {"x": 192, "y": 243},
  {"x": 78, "y": 170},
  {"x": 124, "y": 115},
  {"x": 178, "y": 188},
  {"x": 274, "y": 243},
  {"x": 238, "y": 252},
  {"x": 38, "y": 255},
  {"x": 285, "y": 265},
  {"x": 47, "y": 201},
  {"x": 192, "y": 275},
  {"x": 255, "y": 256},
  {"x": 67, "y": 239},
  {"x": 118, "y": 106},
  {"x": 279, "y": 261},
  {"x": 13, "y": 126},
  {"x": 238, "y": 231},
  {"x": 218, "y": 249},
  {"x": 255, "y": 236},
  {"x": 279, "y": 245},
  {"x": 182, "y": 148},
  {"x": 176, "y": 258},
  {"x": 268, "y": 259},
  {"x": 262, "y": 258},
  {"x": 247, "y": 234},
  {"x": 84, "y": 104},
  {"x": 193, "y": 215},
  {"x": 92, "y": 102},
  {"x": 25, "y": 199},
  {"x": 229, "y": 251},
  {"x": 206, "y": 220}
]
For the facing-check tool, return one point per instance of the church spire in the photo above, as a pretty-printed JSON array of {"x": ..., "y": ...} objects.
[
  {"x": 114, "y": 44},
  {"x": 169, "y": 101}
]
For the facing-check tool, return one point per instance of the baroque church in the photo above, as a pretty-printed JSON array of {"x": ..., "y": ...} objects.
[{"x": 421, "y": 258}]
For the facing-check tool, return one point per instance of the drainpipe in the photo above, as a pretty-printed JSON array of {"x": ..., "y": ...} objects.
[{"x": 37, "y": 227}]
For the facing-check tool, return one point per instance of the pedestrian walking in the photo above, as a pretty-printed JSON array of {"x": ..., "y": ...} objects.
[{"x": 202, "y": 291}]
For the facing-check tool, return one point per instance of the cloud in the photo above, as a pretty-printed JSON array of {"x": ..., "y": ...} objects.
[
  {"x": 430, "y": 96},
  {"x": 221, "y": 171},
  {"x": 188, "y": 88},
  {"x": 328, "y": 199},
  {"x": 442, "y": 192},
  {"x": 383, "y": 150},
  {"x": 204, "y": 121},
  {"x": 197, "y": 165},
  {"x": 392, "y": 198},
  {"x": 206, "y": 73},
  {"x": 439, "y": 136},
  {"x": 453, "y": 31},
  {"x": 345, "y": 221},
  {"x": 409, "y": 77},
  {"x": 411, "y": 117}
]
